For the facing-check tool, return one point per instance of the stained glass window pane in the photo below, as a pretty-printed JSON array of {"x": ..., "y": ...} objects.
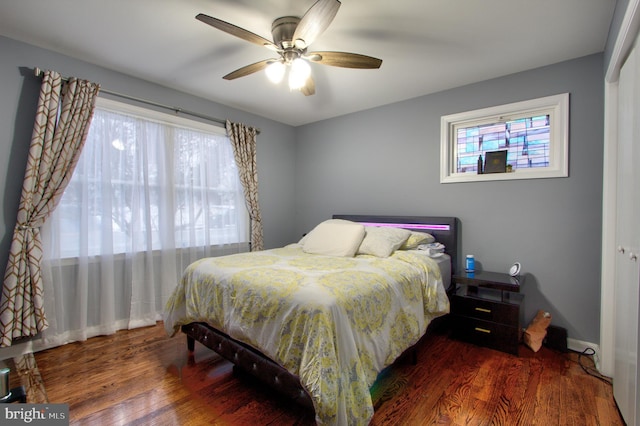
[{"x": 526, "y": 140}]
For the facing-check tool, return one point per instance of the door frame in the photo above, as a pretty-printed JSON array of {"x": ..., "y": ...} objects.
[{"x": 623, "y": 44}]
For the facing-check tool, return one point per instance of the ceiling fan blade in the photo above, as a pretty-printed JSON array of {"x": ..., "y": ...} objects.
[
  {"x": 236, "y": 31},
  {"x": 309, "y": 87},
  {"x": 344, "y": 59},
  {"x": 315, "y": 21},
  {"x": 249, "y": 69}
]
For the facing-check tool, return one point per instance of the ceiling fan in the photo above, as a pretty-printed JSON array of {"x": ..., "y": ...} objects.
[{"x": 291, "y": 38}]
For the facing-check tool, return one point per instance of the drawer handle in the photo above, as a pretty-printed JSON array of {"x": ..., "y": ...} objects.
[
  {"x": 484, "y": 330},
  {"x": 488, "y": 311}
]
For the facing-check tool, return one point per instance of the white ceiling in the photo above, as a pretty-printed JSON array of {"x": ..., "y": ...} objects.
[{"x": 426, "y": 45}]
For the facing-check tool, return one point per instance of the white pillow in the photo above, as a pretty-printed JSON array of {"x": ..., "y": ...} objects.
[
  {"x": 334, "y": 237},
  {"x": 382, "y": 241}
]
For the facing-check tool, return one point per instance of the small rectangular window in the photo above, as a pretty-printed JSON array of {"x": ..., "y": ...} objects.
[{"x": 533, "y": 133}]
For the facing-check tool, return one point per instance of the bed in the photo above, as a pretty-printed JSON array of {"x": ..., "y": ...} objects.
[{"x": 319, "y": 326}]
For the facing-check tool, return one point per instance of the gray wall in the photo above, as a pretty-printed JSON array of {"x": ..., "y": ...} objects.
[
  {"x": 386, "y": 161},
  {"x": 18, "y": 98}
]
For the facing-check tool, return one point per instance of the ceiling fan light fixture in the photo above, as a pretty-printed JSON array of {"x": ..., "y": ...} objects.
[
  {"x": 275, "y": 71},
  {"x": 298, "y": 74},
  {"x": 291, "y": 39}
]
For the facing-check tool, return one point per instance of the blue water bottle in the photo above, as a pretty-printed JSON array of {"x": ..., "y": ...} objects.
[{"x": 470, "y": 266}]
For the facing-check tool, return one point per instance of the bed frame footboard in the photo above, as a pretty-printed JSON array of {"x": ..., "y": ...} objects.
[{"x": 249, "y": 360}]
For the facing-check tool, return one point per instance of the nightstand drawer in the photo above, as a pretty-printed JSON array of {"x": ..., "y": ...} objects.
[
  {"x": 488, "y": 310},
  {"x": 486, "y": 333}
]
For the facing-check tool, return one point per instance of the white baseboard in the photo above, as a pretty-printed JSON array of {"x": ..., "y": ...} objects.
[
  {"x": 16, "y": 350},
  {"x": 581, "y": 346}
]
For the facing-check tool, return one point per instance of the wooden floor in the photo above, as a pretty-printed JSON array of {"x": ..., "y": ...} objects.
[{"x": 142, "y": 377}]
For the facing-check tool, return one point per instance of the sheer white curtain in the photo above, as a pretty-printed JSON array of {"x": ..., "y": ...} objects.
[{"x": 150, "y": 195}]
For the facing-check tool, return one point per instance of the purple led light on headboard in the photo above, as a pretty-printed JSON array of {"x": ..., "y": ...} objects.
[{"x": 409, "y": 226}]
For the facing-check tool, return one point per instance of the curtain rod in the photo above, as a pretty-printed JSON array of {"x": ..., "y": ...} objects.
[{"x": 38, "y": 72}]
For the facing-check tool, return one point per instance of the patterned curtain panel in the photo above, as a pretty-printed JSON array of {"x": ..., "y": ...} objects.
[
  {"x": 61, "y": 126},
  {"x": 243, "y": 139}
]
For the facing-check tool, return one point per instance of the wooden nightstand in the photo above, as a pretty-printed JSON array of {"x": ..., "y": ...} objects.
[{"x": 486, "y": 309}]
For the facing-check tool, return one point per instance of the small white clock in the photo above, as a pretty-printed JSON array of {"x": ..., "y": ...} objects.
[{"x": 515, "y": 269}]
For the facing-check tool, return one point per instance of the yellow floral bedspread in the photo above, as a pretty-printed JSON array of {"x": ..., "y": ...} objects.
[{"x": 334, "y": 322}]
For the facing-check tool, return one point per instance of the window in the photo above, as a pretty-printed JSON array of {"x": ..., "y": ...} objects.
[
  {"x": 533, "y": 133},
  {"x": 150, "y": 181}
]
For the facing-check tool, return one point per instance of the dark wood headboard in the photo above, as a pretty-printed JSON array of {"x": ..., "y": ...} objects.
[{"x": 443, "y": 228}]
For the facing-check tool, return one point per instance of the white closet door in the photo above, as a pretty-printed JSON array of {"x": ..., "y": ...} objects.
[{"x": 625, "y": 380}]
